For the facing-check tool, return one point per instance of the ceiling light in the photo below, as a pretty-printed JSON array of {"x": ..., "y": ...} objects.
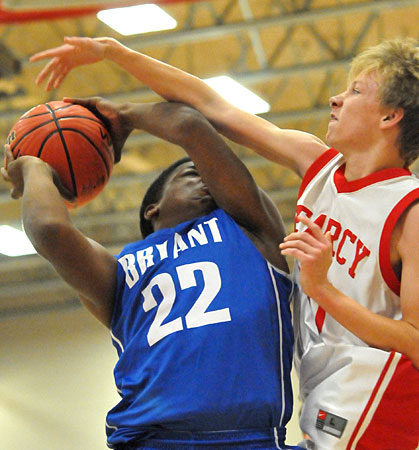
[
  {"x": 238, "y": 95},
  {"x": 137, "y": 19},
  {"x": 14, "y": 242}
]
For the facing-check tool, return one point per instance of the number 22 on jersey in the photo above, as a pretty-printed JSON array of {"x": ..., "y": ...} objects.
[{"x": 197, "y": 316}]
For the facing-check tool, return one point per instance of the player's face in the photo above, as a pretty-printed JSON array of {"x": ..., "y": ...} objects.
[
  {"x": 185, "y": 196},
  {"x": 356, "y": 115}
]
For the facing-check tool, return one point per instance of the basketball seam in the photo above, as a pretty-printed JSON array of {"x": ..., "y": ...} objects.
[
  {"x": 15, "y": 144},
  {"x": 81, "y": 133},
  {"x": 70, "y": 166},
  {"x": 61, "y": 117}
]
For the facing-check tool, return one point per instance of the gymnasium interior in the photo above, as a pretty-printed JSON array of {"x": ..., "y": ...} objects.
[{"x": 56, "y": 361}]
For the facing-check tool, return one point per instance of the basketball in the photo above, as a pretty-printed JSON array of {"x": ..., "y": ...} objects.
[{"x": 72, "y": 140}]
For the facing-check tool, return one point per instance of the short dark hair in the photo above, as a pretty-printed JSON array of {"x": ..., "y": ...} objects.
[{"x": 154, "y": 194}]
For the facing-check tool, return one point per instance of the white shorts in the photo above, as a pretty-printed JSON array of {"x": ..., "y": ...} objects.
[{"x": 370, "y": 401}]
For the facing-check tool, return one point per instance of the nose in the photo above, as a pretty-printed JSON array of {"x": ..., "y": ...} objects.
[{"x": 336, "y": 101}]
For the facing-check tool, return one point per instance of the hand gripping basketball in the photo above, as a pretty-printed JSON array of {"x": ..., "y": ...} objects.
[{"x": 72, "y": 140}]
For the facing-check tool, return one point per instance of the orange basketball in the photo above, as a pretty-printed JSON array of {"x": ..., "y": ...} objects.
[{"x": 72, "y": 140}]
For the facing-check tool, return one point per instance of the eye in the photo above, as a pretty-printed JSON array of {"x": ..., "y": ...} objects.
[
  {"x": 190, "y": 173},
  {"x": 355, "y": 90}
]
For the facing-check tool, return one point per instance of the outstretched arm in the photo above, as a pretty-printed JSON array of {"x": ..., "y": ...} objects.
[
  {"x": 82, "y": 263},
  {"x": 314, "y": 252},
  {"x": 291, "y": 148},
  {"x": 228, "y": 180}
]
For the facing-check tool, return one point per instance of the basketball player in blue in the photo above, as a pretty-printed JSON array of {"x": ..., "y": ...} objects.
[{"x": 199, "y": 309}]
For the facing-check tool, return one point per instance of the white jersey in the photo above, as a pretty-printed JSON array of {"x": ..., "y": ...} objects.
[{"x": 344, "y": 383}]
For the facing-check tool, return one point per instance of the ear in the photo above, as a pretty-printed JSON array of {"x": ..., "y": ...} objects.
[
  {"x": 151, "y": 211},
  {"x": 391, "y": 118}
]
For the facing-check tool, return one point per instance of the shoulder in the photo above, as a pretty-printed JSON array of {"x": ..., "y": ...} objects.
[
  {"x": 405, "y": 234},
  {"x": 408, "y": 224},
  {"x": 322, "y": 165}
]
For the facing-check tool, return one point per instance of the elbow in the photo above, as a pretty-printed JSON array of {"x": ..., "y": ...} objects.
[{"x": 413, "y": 350}]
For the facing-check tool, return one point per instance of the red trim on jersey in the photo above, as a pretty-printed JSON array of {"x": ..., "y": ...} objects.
[
  {"x": 384, "y": 250},
  {"x": 370, "y": 401},
  {"x": 320, "y": 317},
  {"x": 314, "y": 169},
  {"x": 395, "y": 422},
  {"x": 343, "y": 185}
]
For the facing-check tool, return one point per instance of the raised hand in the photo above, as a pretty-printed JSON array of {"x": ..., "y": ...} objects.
[
  {"x": 313, "y": 249},
  {"x": 14, "y": 172},
  {"x": 112, "y": 115},
  {"x": 76, "y": 51}
]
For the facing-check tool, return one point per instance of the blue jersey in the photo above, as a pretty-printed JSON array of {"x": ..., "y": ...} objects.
[{"x": 202, "y": 327}]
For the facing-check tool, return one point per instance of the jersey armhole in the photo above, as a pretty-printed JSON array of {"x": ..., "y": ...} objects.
[
  {"x": 118, "y": 292},
  {"x": 315, "y": 167},
  {"x": 384, "y": 253}
]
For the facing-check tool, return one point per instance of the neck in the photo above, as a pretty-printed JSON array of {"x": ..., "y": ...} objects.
[{"x": 361, "y": 163}]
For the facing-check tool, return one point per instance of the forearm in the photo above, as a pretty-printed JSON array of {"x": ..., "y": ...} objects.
[
  {"x": 172, "y": 122},
  {"x": 82, "y": 263},
  {"x": 176, "y": 85},
  {"x": 42, "y": 206},
  {"x": 374, "y": 329},
  {"x": 167, "y": 81},
  {"x": 293, "y": 149}
]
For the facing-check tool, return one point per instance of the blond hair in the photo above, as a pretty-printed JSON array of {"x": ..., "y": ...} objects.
[{"x": 396, "y": 63}]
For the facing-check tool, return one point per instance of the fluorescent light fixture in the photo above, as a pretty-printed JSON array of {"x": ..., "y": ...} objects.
[
  {"x": 238, "y": 95},
  {"x": 14, "y": 242},
  {"x": 137, "y": 19}
]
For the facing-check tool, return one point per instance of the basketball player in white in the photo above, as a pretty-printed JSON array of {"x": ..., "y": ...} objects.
[{"x": 358, "y": 319}]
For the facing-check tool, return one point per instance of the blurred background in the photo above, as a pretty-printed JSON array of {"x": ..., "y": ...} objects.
[{"x": 56, "y": 362}]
